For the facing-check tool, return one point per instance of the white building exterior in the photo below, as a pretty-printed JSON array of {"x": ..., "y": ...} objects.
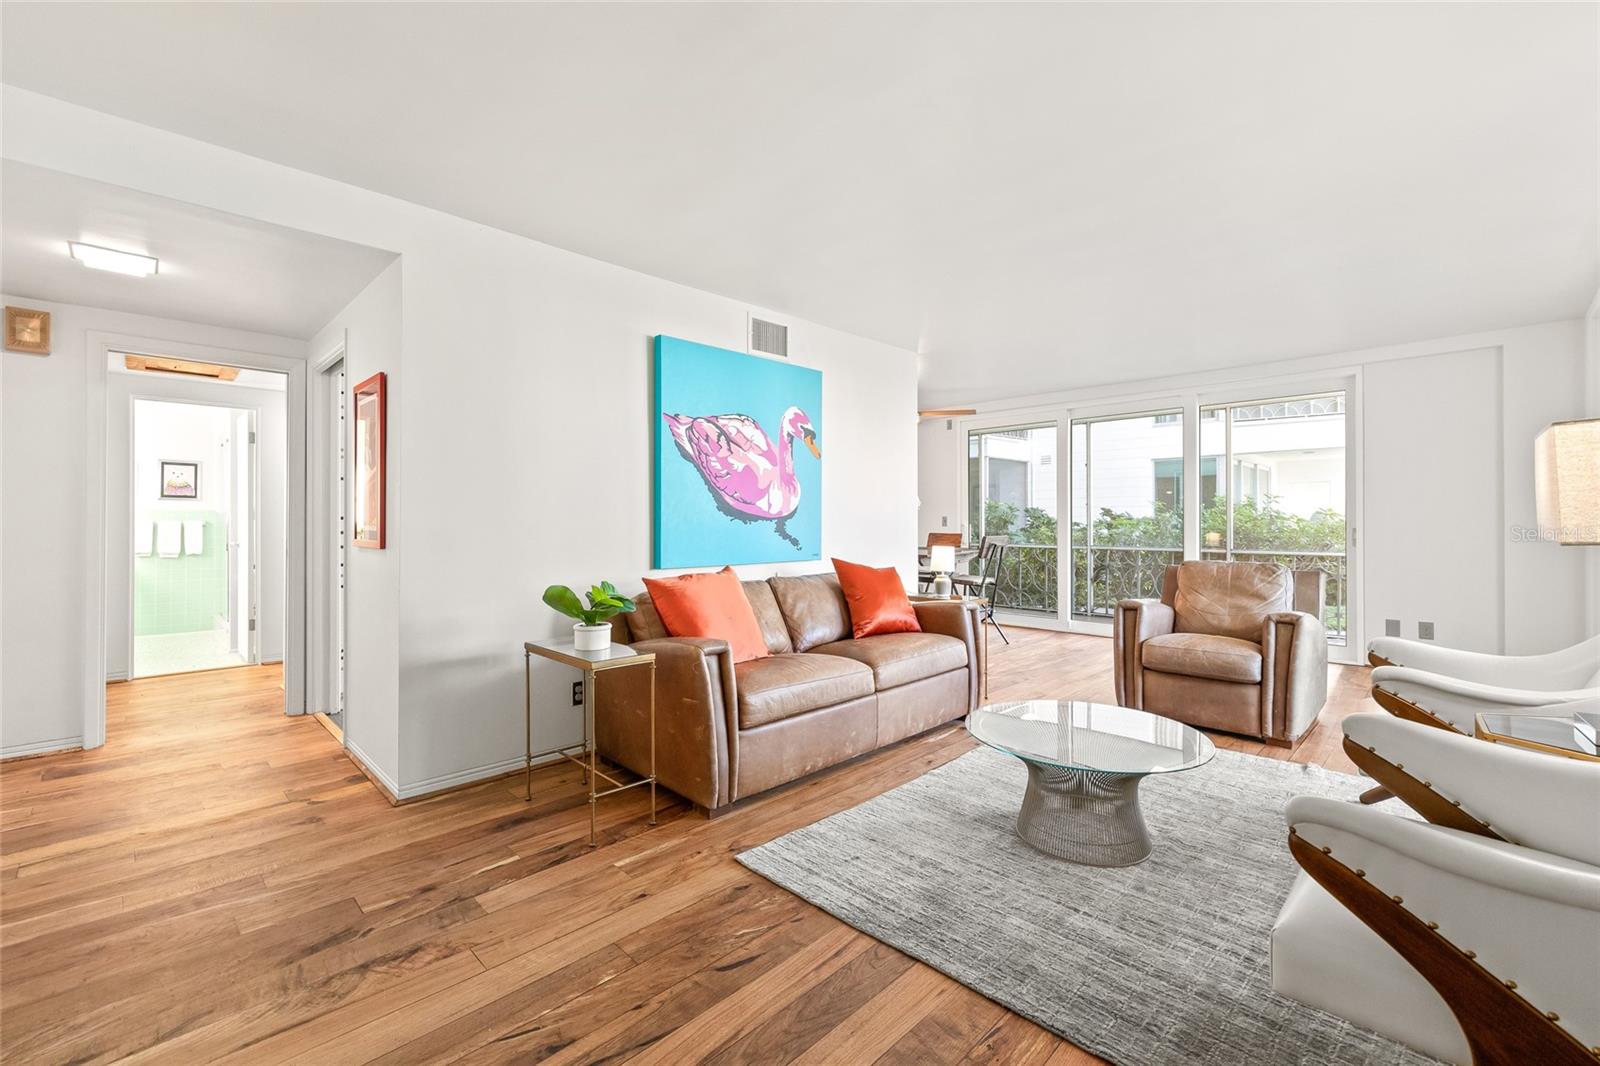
[{"x": 1292, "y": 452}]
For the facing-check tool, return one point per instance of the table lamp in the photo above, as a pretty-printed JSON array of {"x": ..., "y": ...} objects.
[
  {"x": 1566, "y": 481},
  {"x": 1566, "y": 489},
  {"x": 942, "y": 560}
]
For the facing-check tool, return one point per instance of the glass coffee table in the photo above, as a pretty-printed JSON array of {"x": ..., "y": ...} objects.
[
  {"x": 1085, "y": 762},
  {"x": 1553, "y": 734}
]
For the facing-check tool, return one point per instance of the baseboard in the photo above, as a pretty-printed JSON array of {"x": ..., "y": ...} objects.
[
  {"x": 41, "y": 747},
  {"x": 435, "y": 786},
  {"x": 463, "y": 778},
  {"x": 385, "y": 784},
  {"x": 114, "y": 676}
]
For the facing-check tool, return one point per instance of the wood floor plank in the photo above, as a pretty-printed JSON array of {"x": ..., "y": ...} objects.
[{"x": 219, "y": 883}]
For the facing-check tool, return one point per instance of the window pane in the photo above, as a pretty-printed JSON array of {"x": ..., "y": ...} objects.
[
  {"x": 1011, "y": 494},
  {"x": 1289, "y": 494},
  {"x": 1127, "y": 508}
]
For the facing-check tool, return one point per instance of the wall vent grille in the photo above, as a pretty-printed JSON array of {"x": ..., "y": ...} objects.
[{"x": 769, "y": 338}]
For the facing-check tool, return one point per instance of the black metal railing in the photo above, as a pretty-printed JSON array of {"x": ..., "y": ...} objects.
[{"x": 1106, "y": 573}]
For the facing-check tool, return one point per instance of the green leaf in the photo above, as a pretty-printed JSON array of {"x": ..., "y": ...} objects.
[{"x": 564, "y": 600}]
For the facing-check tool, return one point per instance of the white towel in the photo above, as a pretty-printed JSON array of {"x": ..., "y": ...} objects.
[
  {"x": 169, "y": 543},
  {"x": 194, "y": 537},
  {"x": 143, "y": 537}
]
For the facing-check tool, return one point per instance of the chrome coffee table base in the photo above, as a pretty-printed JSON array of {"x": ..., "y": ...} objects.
[{"x": 1086, "y": 816}]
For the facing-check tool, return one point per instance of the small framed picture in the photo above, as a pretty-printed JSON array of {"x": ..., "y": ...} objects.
[
  {"x": 180, "y": 480},
  {"x": 371, "y": 403},
  {"x": 27, "y": 331}
]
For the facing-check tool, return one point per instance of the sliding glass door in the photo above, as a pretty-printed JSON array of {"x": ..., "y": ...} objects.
[
  {"x": 1011, "y": 495},
  {"x": 1194, "y": 476},
  {"x": 1127, "y": 508},
  {"x": 1274, "y": 490}
]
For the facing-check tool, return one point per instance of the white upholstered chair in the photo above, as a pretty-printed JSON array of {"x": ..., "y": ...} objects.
[
  {"x": 1446, "y": 686},
  {"x": 1475, "y": 944}
]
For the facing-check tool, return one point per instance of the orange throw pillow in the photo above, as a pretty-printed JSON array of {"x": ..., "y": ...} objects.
[
  {"x": 709, "y": 605},
  {"x": 878, "y": 600}
]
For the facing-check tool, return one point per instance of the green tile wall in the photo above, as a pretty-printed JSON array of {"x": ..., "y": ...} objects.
[{"x": 186, "y": 594}]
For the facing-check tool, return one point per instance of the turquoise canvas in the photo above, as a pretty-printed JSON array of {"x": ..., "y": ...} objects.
[{"x": 738, "y": 458}]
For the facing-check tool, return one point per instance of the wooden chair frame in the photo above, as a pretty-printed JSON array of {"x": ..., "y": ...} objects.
[{"x": 1502, "y": 1028}]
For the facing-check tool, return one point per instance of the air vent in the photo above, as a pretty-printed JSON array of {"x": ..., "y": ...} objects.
[{"x": 769, "y": 338}]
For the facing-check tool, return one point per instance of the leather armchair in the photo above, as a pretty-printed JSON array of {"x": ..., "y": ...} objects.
[
  {"x": 1472, "y": 944},
  {"x": 1448, "y": 687},
  {"x": 1238, "y": 647}
]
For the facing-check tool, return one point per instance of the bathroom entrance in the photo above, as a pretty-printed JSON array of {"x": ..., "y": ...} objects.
[{"x": 195, "y": 574}]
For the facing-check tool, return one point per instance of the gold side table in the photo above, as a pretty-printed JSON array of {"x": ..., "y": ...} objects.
[{"x": 592, "y": 663}]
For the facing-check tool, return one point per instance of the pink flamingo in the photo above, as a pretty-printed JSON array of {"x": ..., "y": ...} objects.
[{"x": 749, "y": 478}]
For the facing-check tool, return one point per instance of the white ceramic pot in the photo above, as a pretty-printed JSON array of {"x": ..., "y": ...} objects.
[{"x": 591, "y": 638}]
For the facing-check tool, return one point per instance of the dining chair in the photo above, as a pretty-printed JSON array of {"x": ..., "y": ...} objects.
[{"x": 985, "y": 584}]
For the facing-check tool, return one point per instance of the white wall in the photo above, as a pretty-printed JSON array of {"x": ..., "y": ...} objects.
[
  {"x": 1438, "y": 411},
  {"x": 369, "y": 328},
  {"x": 271, "y": 445},
  {"x": 43, "y": 465},
  {"x": 177, "y": 432},
  {"x": 1434, "y": 549},
  {"x": 513, "y": 355},
  {"x": 1542, "y": 381}
]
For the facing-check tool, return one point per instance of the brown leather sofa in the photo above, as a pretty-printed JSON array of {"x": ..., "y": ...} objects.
[
  {"x": 727, "y": 731},
  {"x": 1237, "y": 647}
]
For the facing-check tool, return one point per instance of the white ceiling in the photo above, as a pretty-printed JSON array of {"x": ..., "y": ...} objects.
[
  {"x": 216, "y": 268},
  {"x": 1033, "y": 196}
]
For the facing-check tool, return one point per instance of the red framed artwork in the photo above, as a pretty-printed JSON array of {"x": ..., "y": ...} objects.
[{"x": 371, "y": 403}]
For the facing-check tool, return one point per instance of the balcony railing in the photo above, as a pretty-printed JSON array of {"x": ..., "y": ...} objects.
[
  {"x": 1104, "y": 574},
  {"x": 1027, "y": 580}
]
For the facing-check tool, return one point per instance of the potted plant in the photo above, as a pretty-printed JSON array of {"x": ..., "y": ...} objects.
[{"x": 592, "y": 631}]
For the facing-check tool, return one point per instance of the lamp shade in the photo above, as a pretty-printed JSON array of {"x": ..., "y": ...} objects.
[
  {"x": 942, "y": 558},
  {"x": 1566, "y": 481}
]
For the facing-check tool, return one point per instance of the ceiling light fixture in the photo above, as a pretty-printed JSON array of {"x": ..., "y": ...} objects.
[{"x": 92, "y": 255}]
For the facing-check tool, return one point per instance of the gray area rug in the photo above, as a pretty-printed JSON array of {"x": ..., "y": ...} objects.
[{"x": 1164, "y": 962}]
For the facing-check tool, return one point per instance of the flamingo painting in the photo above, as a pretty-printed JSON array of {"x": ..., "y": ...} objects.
[
  {"x": 736, "y": 462},
  {"x": 750, "y": 478}
]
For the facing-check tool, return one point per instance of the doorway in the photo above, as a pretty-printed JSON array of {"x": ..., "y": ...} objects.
[{"x": 194, "y": 592}]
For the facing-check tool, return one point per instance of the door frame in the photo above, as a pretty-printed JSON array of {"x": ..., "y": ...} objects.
[
  {"x": 325, "y": 602},
  {"x": 1033, "y": 419},
  {"x": 251, "y": 594},
  {"x": 98, "y": 348}
]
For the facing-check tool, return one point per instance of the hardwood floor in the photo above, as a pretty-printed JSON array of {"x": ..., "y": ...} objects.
[{"x": 219, "y": 883}]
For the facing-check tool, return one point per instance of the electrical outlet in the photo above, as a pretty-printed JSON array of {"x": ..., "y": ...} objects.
[
  {"x": 1391, "y": 627},
  {"x": 577, "y": 693},
  {"x": 944, "y": 521},
  {"x": 1424, "y": 630}
]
